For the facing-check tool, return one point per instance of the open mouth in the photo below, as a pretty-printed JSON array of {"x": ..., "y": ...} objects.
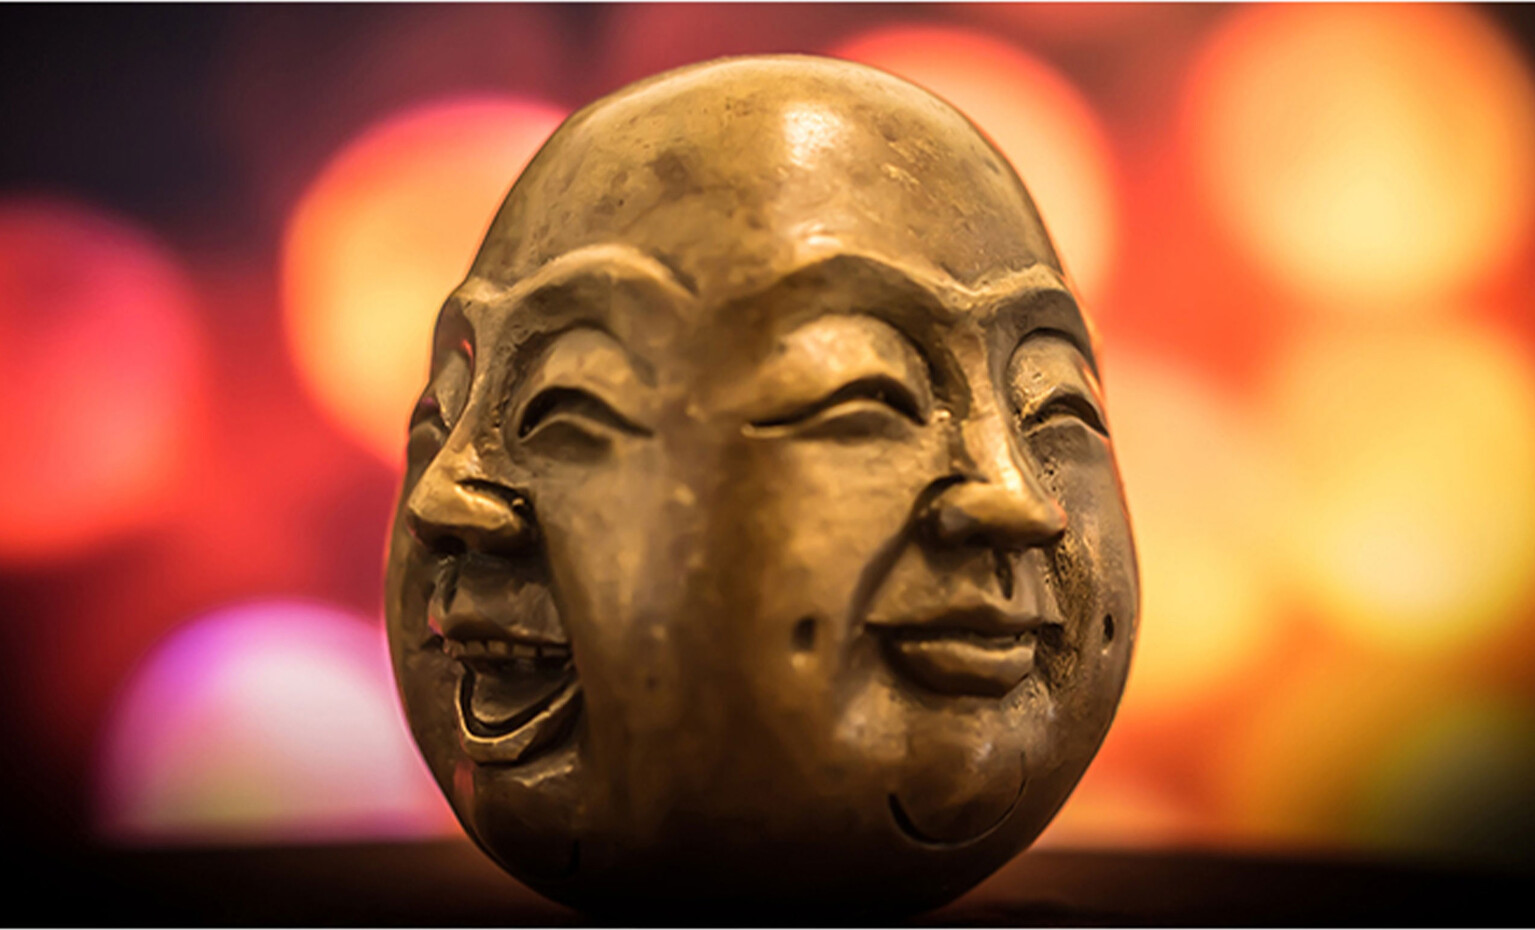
[
  {"x": 518, "y": 694},
  {"x": 512, "y": 710}
]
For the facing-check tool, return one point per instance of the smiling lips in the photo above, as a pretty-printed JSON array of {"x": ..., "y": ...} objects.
[
  {"x": 983, "y": 650},
  {"x": 518, "y": 692}
]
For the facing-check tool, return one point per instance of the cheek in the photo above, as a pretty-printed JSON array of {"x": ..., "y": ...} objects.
[
  {"x": 1093, "y": 569},
  {"x": 822, "y": 513},
  {"x": 427, "y": 679},
  {"x": 608, "y": 532}
]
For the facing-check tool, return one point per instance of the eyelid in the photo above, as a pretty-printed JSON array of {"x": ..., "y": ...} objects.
[
  {"x": 1064, "y": 400},
  {"x": 878, "y": 388},
  {"x": 558, "y": 399}
]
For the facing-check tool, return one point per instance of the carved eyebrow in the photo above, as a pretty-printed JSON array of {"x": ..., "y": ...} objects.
[
  {"x": 602, "y": 268},
  {"x": 835, "y": 358},
  {"x": 1048, "y": 332},
  {"x": 589, "y": 376},
  {"x": 1036, "y": 311}
]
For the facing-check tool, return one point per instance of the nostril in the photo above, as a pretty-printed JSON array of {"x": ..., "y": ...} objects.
[
  {"x": 471, "y": 515},
  {"x": 1004, "y": 571},
  {"x": 434, "y": 536},
  {"x": 804, "y": 635},
  {"x": 447, "y": 544}
]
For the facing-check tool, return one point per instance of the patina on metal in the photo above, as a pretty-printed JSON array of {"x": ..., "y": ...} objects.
[{"x": 761, "y": 541}]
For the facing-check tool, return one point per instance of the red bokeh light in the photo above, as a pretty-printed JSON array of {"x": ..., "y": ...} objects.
[{"x": 102, "y": 361}]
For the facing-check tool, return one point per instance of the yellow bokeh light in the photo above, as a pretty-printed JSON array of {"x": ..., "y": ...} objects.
[
  {"x": 1374, "y": 157},
  {"x": 1204, "y": 494},
  {"x": 1414, "y": 457},
  {"x": 381, "y": 237},
  {"x": 1034, "y": 115}
]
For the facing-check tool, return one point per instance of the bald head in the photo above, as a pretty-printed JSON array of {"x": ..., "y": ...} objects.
[{"x": 733, "y": 172}]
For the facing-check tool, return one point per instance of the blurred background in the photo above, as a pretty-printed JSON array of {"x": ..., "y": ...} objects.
[{"x": 1304, "y": 234}]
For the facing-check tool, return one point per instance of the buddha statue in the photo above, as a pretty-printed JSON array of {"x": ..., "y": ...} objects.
[{"x": 761, "y": 542}]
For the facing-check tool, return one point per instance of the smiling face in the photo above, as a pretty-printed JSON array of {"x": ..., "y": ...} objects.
[{"x": 761, "y": 536}]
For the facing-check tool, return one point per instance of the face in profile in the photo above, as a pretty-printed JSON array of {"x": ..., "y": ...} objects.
[{"x": 761, "y": 536}]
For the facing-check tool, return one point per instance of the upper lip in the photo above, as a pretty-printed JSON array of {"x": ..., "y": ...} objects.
[
  {"x": 490, "y": 613},
  {"x": 518, "y": 692}
]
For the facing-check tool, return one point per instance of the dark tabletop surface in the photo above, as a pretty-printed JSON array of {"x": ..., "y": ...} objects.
[{"x": 450, "y": 883}]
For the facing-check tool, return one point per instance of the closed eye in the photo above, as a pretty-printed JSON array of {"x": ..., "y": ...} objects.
[
  {"x": 558, "y": 403},
  {"x": 879, "y": 389},
  {"x": 428, "y": 410},
  {"x": 1066, "y": 404}
]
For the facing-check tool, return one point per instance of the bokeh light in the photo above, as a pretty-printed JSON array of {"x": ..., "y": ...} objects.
[
  {"x": 273, "y": 721},
  {"x": 1204, "y": 498},
  {"x": 1117, "y": 810},
  {"x": 1306, "y": 235},
  {"x": 1414, "y": 518},
  {"x": 102, "y": 363},
  {"x": 1378, "y": 158},
  {"x": 1076, "y": 25},
  {"x": 1034, "y": 115},
  {"x": 1297, "y": 772},
  {"x": 378, "y": 241}
]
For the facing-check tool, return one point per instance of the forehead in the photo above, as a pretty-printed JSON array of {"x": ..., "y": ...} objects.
[{"x": 732, "y": 175}]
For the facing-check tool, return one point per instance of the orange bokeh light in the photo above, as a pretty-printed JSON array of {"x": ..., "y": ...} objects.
[
  {"x": 1297, "y": 772},
  {"x": 1378, "y": 158},
  {"x": 1414, "y": 461},
  {"x": 102, "y": 362},
  {"x": 378, "y": 241},
  {"x": 1034, "y": 115}
]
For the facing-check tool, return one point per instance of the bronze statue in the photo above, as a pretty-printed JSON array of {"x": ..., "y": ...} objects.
[{"x": 761, "y": 541}]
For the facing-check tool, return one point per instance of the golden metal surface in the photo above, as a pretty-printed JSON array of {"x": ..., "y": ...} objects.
[{"x": 761, "y": 540}]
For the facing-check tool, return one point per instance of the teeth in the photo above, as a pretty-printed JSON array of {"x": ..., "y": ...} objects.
[{"x": 501, "y": 649}]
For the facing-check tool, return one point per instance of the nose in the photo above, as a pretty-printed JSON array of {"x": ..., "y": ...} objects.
[
  {"x": 996, "y": 501},
  {"x": 981, "y": 513},
  {"x": 455, "y": 507}
]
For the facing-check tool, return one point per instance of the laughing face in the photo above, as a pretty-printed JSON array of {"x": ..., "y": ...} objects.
[{"x": 761, "y": 537}]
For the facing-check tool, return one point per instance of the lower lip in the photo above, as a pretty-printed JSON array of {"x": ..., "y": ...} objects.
[
  {"x": 541, "y": 726},
  {"x": 964, "y": 664}
]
